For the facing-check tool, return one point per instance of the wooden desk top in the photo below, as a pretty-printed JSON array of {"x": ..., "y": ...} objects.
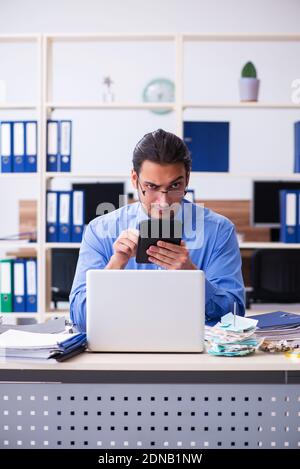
[{"x": 259, "y": 361}]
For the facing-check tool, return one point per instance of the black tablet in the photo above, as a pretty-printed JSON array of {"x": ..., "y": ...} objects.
[{"x": 154, "y": 230}]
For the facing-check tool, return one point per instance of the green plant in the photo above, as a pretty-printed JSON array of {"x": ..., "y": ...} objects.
[{"x": 249, "y": 70}]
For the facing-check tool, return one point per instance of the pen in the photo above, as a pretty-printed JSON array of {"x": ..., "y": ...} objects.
[{"x": 234, "y": 313}]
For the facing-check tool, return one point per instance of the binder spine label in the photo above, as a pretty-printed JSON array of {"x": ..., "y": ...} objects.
[
  {"x": 64, "y": 209},
  {"x": 5, "y": 280},
  {"x": 19, "y": 289},
  {"x": 31, "y": 277},
  {"x": 51, "y": 207},
  {"x": 291, "y": 211},
  {"x": 77, "y": 208}
]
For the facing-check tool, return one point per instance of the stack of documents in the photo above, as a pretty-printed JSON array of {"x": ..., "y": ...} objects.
[
  {"x": 233, "y": 336},
  {"x": 281, "y": 330},
  {"x": 22, "y": 344}
]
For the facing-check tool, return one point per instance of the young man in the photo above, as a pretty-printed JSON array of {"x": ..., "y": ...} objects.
[{"x": 160, "y": 174}]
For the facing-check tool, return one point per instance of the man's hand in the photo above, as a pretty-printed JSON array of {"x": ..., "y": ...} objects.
[
  {"x": 171, "y": 256},
  {"x": 124, "y": 248}
]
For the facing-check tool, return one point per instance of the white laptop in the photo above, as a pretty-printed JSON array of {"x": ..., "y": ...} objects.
[{"x": 145, "y": 310}]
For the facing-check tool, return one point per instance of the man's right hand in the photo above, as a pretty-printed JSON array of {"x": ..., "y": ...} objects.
[{"x": 124, "y": 248}]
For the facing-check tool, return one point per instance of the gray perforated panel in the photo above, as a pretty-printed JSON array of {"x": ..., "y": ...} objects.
[{"x": 149, "y": 416}]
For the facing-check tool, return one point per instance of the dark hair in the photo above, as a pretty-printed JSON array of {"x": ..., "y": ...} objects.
[{"x": 163, "y": 148}]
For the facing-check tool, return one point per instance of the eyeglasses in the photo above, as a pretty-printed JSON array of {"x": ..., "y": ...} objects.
[{"x": 153, "y": 190}]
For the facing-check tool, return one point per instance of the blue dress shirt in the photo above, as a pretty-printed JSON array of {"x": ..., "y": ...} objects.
[{"x": 212, "y": 245}]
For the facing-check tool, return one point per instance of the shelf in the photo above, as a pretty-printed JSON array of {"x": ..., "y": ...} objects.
[
  {"x": 241, "y": 105},
  {"x": 17, "y": 244},
  {"x": 18, "y": 315},
  {"x": 18, "y": 175},
  {"x": 82, "y": 37},
  {"x": 57, "y": 313},
  {"x": 250, "y": 175},
  {"x": 171, "y": 106},
  {"x": 278, "y": 176},
  {"x": 19, "y": 37},
  {"x": 243, "y": 245},
  {"x": 104, "y": 106},
  {"x": 241, "y": 37},
  {"x": 62, "y": 245},
  {"x": 270, "y": 245},
  {"x": 86, "y": 176},
  {"x": 18, "y": 106}
]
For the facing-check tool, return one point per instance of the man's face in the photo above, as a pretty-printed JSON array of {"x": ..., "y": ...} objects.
[{"x": 153, "y": 178}]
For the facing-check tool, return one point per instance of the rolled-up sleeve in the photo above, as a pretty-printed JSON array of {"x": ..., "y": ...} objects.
[
  {"x": 224, "y": 282},
  {"x": 92, "y": 255}
]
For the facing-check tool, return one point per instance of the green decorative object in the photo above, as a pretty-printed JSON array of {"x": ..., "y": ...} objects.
[
  {"x": 159, "y": 90},
  {"x": 249, "y": 83},
  {"x": 249, "y": 70}
]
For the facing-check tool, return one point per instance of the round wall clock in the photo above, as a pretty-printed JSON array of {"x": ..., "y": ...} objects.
[{"x": 159, "y": 90}]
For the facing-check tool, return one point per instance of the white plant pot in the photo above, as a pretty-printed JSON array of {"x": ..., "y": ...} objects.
[{"x": 249, "y": 88}]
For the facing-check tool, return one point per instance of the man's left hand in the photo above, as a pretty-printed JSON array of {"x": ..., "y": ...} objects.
[{"x": 171, "y": 256}]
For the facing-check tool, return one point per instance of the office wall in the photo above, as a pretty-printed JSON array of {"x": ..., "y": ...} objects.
[{"x": 261, "y": 141}]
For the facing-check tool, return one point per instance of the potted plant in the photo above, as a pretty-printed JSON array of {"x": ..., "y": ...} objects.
[{"x": 249, "y": 84}]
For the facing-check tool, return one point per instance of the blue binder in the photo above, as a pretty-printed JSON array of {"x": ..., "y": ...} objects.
[
  {"x": 298, "y": 216},
  {"x": 208, "y": 143},
  {"x": 277, "y": 320},
  {"x": 65, "y": 147},
  {"x": 31, "y": 285},
  {"x": 52, "y": 213},
  {"x": 19, "y": 290},
  {"x": 31, "y": 146},
  {"x": 78, "y": 210},
  {"x": 65, "y": 216},
  {"x": 288, "y": 216},
  {"x": 6, "y": 147},
  {"x": 297, "y": 147},
  {"x": 18, "y": 145},
  {"x": 52, "y": 145}
]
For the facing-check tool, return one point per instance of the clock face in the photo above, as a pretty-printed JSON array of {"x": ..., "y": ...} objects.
[{"x": 159, "y": 90}]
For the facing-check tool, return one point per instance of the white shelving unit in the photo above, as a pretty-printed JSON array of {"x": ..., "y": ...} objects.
[{"x": 45, "y": 106}]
